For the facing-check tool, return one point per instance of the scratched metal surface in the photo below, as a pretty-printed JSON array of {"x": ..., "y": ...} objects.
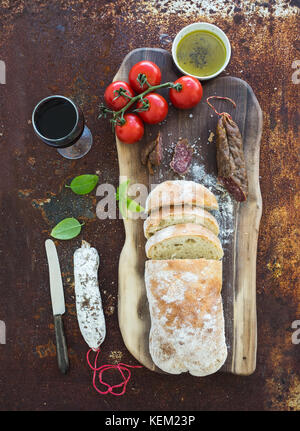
[{"x": 74, "y": 48}]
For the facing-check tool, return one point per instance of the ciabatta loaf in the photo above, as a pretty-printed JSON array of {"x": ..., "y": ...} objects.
[
  {"x": 180, "y": 192},
  {"x": 184, "y": 241},
  {"x": 165, "y": 217},
  {"x": 187, "y": 323}
]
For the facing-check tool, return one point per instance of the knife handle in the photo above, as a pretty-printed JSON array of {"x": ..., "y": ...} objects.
[{"x": 61, "y": 345}]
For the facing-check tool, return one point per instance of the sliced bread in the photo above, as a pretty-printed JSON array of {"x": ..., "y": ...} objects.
[
  {"x": 180, "y": 192},
  {"x": 165, "y": 217},
  {"x": 184, "y": 241}
]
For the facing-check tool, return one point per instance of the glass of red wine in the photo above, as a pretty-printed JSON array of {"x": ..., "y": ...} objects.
[{"x": 58, "y": 122}]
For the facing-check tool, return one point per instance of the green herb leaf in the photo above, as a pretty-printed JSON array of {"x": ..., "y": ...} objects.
[
  {"x": 67, "y": 229},
  {"x": 122, "y": 192},
  {"x": 125, "y": 203},
  {"x": 83, "y": 184},
  {"x": 134, "y": 206}
]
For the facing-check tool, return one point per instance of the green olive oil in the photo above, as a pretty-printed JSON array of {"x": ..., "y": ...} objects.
[{"x": 201, "y": 53}]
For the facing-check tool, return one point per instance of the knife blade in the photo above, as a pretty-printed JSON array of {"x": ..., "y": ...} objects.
[{"x": 58, "y": 305}]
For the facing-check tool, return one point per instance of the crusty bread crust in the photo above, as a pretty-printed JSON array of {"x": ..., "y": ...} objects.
[
  {"x": 180, "y": 192},
  {"x": 158, "y": 219},
  {"x": 188, "y": 230},
  {"x": 187, "y": 323}
]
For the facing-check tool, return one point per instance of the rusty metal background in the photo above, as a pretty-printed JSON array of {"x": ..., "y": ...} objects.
[{"x": 74, "y": 47}]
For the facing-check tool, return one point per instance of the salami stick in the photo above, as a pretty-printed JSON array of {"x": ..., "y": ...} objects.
[
  {"x": 232, "y": 172},
  {"x": 88, "y": 300}
]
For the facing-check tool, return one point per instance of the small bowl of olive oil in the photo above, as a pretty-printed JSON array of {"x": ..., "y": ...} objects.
[{"x": 201, "y": 50}]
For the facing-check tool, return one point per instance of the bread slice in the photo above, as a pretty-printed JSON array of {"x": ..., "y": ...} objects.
[
  {"x": 180, "y": 192},
  {"x": 165, "y": 217},
  {"x": 187, "y": 322},
  {"x": 184, "y": 241}
]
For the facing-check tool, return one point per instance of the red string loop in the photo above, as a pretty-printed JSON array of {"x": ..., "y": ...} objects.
[
  {"x": 122, "y": 368},
  {"x": 222, "y": 98}
]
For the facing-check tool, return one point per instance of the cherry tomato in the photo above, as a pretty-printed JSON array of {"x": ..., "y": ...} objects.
[
  {"x": 132, "y": 130},
  {"x": 157, "y": 111},
  {"x": 190, "y": 94},
  {"x": 150, "y": 69},
  {"x": 111, "y": 93}
]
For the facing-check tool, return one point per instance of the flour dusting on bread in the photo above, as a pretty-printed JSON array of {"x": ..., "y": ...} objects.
[{"x": 187, "y": 324}]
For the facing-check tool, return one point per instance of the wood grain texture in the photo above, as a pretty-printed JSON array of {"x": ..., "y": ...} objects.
[{"x": 239, "y": 263}]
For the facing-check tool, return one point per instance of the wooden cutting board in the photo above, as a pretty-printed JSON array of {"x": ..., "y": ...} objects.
[{"x": 239, "y": 223}]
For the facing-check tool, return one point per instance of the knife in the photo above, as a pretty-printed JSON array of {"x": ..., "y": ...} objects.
[{"x": 58, "y": 305}]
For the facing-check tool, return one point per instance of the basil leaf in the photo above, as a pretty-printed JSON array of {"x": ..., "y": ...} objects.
[
  {"x": 122, "y": 192},
  {"x": 125, "y": 203},
  {"x": 66, "y": 229},
  {"x": 134, "y": 206},
  {"x": 83, "y": 184}
]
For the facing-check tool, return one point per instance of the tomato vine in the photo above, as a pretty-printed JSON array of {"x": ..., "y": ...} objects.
[{"x": 118, "y": 116}]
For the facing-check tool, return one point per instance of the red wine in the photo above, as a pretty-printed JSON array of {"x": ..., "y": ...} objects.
[{"x": 56, "y": 118}]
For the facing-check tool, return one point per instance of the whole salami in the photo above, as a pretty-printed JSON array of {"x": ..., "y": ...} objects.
[
  {"x": 88, "y": 299},
  {"x": 91, "y": 318}
]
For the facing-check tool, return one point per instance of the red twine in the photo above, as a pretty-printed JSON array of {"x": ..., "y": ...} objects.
[
  {"x": 222, "y": 98},
  {"x": 121, "y": 367}
]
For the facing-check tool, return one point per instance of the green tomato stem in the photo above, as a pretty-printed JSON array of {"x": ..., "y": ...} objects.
[{"x": 118, "y": 116}]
